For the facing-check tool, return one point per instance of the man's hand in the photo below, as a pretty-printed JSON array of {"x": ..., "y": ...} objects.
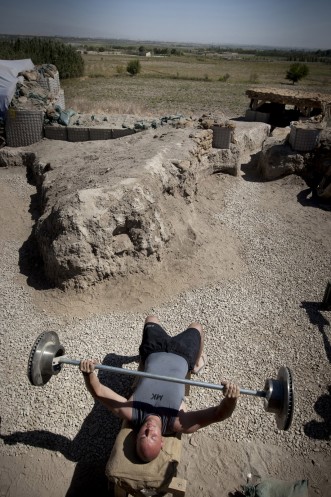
[
  {"x": 190, "y": 422},
  {"x": 230, "y": 390},
  {"x": 117, "y": 404},
  {"x": 87, "y": 366}
]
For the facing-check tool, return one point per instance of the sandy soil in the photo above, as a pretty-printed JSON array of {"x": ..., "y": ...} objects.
[{"x": 225, "y": 465}]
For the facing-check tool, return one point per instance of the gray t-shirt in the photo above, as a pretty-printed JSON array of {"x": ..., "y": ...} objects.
[{"x": 162, "y": 398}]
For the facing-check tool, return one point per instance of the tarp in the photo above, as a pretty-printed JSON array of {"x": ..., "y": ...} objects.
[
  {"x": 9, "y": 70},
  {"x": 18, "y": 65},
  {"x": 8, "y": 82}
]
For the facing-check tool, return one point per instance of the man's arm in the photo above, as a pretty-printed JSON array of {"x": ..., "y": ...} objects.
[
  {"x": 117, "y": 404},
  {"x": 190, "y": 422}
]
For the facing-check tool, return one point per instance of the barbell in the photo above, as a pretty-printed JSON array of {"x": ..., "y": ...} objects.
[{"x": 47, "y": 358}]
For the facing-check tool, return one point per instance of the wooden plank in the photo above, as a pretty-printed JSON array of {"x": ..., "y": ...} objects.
[
  {"x": 177, "y": 487},
  {"x": 292, "y": 97}
]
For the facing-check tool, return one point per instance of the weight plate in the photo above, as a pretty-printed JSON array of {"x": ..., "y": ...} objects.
[
  {"x": 285, "y": 414},
  {"x": 40, "y": 364}
]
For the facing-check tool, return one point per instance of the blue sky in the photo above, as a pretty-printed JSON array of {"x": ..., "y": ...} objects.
[{"x": 281, "y": 23}]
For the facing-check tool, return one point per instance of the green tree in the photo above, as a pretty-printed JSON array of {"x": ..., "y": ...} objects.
[
  {"x": 68, "y": 61},
  {"x": 134, "y": 67},
  {"x": 296, "y": 72}
]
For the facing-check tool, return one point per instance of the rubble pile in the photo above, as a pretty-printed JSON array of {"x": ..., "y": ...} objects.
[
  {"x": 38, "y": 89},
  {"x": 57, "y": 118}
]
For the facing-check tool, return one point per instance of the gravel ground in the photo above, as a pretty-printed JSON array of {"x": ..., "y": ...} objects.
[{"x": 267, "y": 317}]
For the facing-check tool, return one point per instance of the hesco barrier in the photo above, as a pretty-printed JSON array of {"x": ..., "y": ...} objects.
[
  {"x": 50, "y": 84},
  {"x": 23, "y": 127},
  {"x": 76, "y": 134},
  {"x": 257, "y": 116},
  {"x": 222, "y": 136},
  {"x": 304, "y": 140},
  {"x": 60, "y": 100}
]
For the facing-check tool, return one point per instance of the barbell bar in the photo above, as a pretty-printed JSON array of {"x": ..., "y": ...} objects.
[{"x": 47, "y": 357}]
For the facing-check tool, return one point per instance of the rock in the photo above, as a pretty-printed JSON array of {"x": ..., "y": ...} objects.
[
  {"x": 250, "y": 137},
  {"x": 95, "y": 226},
  {"x": 29, "y": 75},
  {"x": 281, "y": 134},
  {"x": 10, "y": 157},
  {"x": 225, "y": 160},
  {"x": 277, "y": 159},
  {"x": 122, "y": 244}
]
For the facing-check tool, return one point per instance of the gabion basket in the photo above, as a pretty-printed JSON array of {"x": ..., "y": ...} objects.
[
  {"x": 221, "y": 137},
  {"x": 78, "y": 134},
  {"x": 304, "y": 140},
  {"x": 23, "y": 127},
  {"x": 60, "y": 99},
  {"x": 100, "y": 134},
  {"x": 50, "y": 84},
  {"x": 256, "y": 116},
  {"x": 56, "y": 132},
  {"x": 118, "y": 133}
]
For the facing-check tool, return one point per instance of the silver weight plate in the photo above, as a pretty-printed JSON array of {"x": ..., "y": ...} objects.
[
  {"x": 284, "y": 416},
  {"x": 40, "y": 365}
]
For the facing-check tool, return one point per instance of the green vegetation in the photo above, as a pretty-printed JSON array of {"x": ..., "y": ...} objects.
[
  {"x": 68, "y": 61},
  {"x": 297, "y": 71},
  {"x": 177, "y": 78},
  {"x": 224, "y": 78},
  {"x": 133, "y": 67}
]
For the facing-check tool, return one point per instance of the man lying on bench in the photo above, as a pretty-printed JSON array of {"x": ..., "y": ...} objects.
[{"x": 157, "y": 407}]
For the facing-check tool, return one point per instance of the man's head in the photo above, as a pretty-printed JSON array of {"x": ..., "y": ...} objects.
[{"x": 149, "y": 438}]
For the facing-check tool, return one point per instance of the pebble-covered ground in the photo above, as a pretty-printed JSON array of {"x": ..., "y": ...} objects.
[{"x": 266, "y": 317}]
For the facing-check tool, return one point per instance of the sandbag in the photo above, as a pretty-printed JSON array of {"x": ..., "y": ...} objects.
[
  {"x": 64, "y": 115},
  {"x": 126, "y": 470},
  {"x": 277, "y": 488}
]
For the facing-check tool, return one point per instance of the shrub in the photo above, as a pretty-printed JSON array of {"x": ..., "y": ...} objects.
[
  {"x": 297, "y": 71},
  {"x": 134, "y": 67},
  {"x": 224, "y": 78}
]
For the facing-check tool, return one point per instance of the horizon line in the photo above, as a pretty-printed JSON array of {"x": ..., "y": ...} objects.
[{"x": 210, "y": 44}]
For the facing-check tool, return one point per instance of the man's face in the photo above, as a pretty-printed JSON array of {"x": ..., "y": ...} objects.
[{"x": 149, "y": 439}]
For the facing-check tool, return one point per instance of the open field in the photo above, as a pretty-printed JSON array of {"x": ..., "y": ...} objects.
[{"x": 185, "y": 85}]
